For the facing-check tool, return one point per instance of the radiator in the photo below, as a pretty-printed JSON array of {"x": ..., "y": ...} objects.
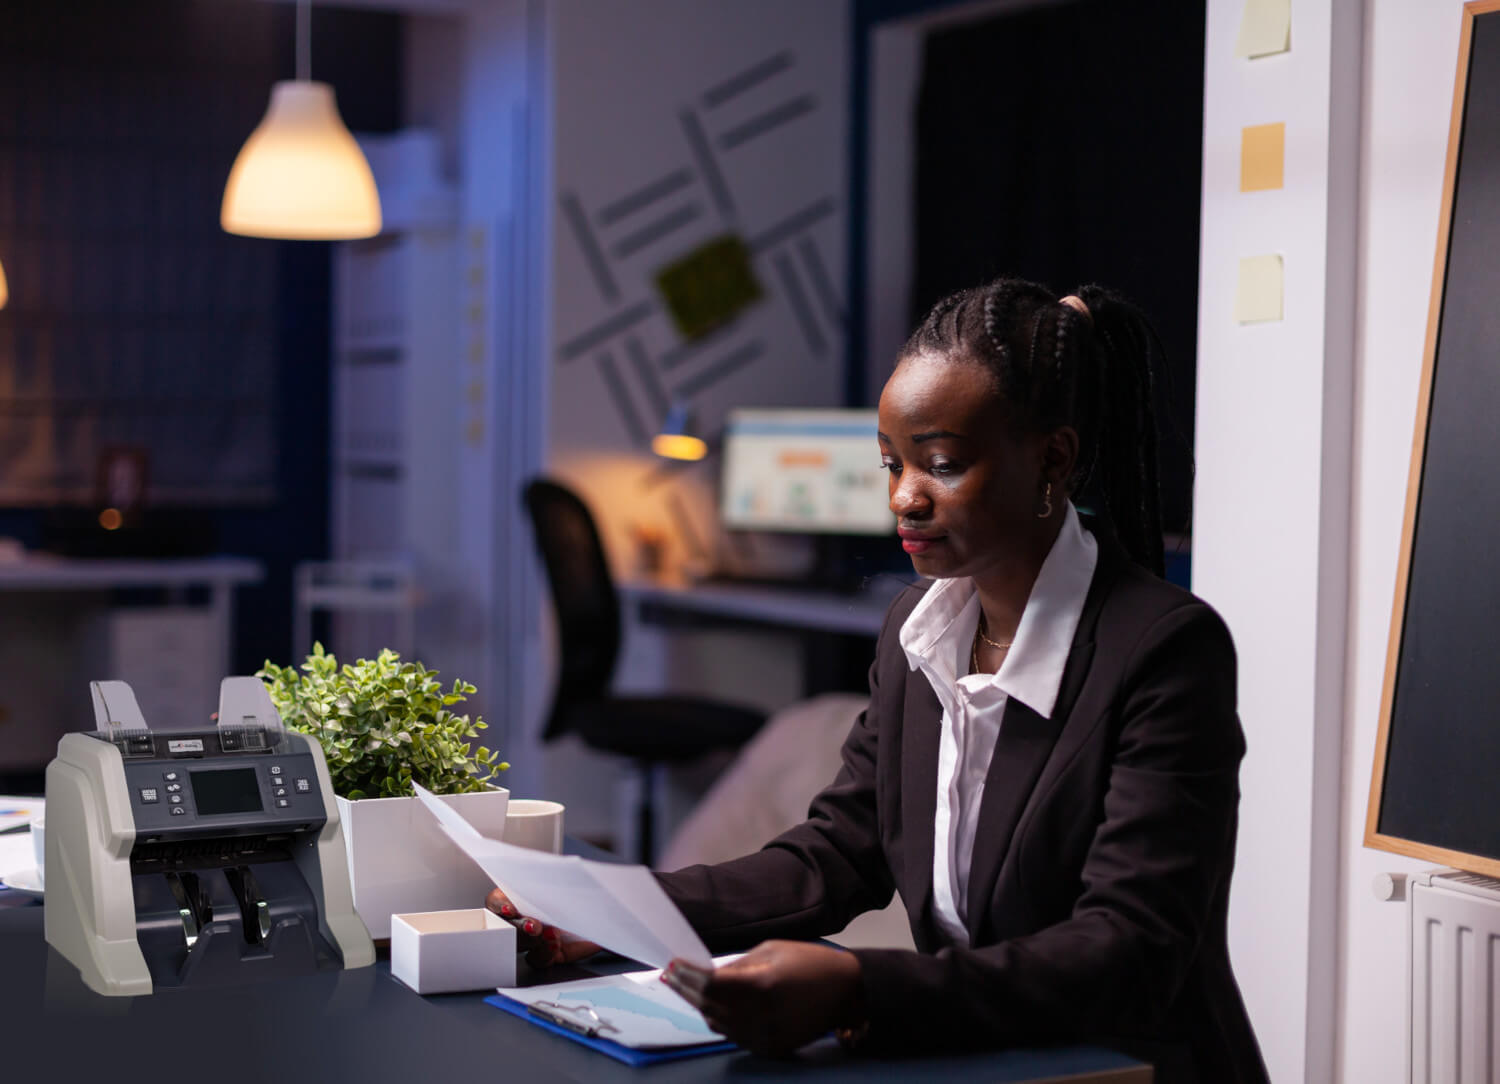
[{"x": 1455, "y": 978}]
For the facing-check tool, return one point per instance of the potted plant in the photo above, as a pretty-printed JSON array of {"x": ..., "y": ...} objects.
[{"x": 383, "y": 724}]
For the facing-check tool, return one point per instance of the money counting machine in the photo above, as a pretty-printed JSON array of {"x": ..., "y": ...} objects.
[{"x": 196, "y": 857}]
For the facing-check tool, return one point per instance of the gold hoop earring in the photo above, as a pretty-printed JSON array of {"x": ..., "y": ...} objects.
[{"x": 1046, "y": 503}]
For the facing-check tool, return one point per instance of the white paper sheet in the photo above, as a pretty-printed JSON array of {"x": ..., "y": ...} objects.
[
  {"x": 15, "y": 812},
  {"x": 16, "y": 853},
  {"x": 620, "y": 907},
  {"x": 639, "y": 1010}
]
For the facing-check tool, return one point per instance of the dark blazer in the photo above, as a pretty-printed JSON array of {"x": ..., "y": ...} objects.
[{"x": 1100, "y": 880}]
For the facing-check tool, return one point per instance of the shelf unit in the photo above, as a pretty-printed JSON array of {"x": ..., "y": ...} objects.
[{"x": 395, "y": 400}]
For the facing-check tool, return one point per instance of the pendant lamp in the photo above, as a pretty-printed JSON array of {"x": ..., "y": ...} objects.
[
  {"x": 4, "y": 290},
  {"x": 301, "y": 176}
]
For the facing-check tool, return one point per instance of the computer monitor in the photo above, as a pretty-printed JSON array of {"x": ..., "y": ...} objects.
[{"x": 810, "y": 471}]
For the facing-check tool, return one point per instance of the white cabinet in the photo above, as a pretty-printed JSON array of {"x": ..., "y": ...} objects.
[
  {"x": 396, "y": 400},
  {"x": 395, "y": 396}
]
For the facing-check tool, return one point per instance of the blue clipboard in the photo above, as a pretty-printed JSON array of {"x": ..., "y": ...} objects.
[{"x": 620, "y": 1052}]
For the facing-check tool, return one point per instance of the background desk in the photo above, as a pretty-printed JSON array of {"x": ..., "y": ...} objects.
[
  {"x": 811, "y": 640},
  {"x": 364, "y": 1026},
  {"x": 163, "y": 625},
  {"x": 787, "y": 607}
]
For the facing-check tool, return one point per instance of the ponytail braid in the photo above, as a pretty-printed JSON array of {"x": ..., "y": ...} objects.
[{"x": 1127, "y": 438}]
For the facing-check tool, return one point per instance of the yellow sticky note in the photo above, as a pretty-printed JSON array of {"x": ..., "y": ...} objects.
[
  {"x": 1257, "y": 298},
  {"x": 1265, "y": 28},
  {"x": 1262, "y": 157}
]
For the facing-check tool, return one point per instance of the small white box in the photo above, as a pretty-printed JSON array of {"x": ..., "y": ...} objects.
[{"x": 445, "y": 952}]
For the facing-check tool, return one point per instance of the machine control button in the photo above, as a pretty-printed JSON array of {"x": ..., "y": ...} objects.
[
  {"x": 303, "y": 786},
  {"x": 148, "y": 794},
  {"x": 282, "y": 803},
  {"x": 173, "y": 788},
  {"x": 275, "y": 769},
  {"x": 279, "y": 792},
  {"x": 170, "y": 777},
  {"x": 178, "y": 811},
  {"x": 175, "y": 799}
]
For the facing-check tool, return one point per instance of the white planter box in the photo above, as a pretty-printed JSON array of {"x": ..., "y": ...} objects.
[
  {"x": 400, "y": 862},
  {"x": 447, "y": 952}
]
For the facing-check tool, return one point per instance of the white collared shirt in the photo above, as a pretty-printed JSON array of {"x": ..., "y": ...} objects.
[{"x": 937, "y": 638}]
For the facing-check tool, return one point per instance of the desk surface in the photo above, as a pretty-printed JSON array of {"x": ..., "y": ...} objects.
[
  {"x": 859, "y": 613},
  {"x": 41, "y": 572},
  {"x": 363, "y": 1025}
]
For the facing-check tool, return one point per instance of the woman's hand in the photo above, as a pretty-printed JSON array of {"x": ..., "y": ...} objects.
[
  {"x": 779, "y": 996},
  {"x": 545, "y": 946}
]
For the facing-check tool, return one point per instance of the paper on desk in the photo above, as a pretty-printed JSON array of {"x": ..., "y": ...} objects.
[
  {"x": 639, "y": 1011},
  {"x": 16, "y": 853},
  {"x": 620, "y": 907},
  {"x": 14, "y": 812}
]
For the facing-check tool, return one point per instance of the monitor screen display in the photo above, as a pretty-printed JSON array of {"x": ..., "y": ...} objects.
[{"x": 804, "y": 470}]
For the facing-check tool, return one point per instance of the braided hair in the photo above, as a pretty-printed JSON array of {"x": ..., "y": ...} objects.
[{"x": 1055, "y": 366}]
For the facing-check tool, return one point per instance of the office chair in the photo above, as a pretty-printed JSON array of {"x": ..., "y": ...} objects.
[{"x": 651, "y": 730}]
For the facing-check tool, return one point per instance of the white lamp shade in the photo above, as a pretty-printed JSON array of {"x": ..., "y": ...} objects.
[
  {"x": 4, "y": 290},
  {"x": 301, "y": 176}
]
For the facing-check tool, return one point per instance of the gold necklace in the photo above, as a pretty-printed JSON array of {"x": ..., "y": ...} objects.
[
  {"x": 980, "y": 629},
  {"x": 974, "y": 647}
]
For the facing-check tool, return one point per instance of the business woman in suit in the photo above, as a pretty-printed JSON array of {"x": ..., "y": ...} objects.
[{"x": 1048, "y": 767}]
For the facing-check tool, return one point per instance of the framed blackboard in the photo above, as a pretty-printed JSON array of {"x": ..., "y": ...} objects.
[{"x": 1435, "y": 791}]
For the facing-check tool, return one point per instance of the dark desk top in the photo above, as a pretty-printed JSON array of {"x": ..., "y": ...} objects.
[{"x": 365, "y": 1026}]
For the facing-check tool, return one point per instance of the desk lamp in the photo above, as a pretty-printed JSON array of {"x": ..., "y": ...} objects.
[{"x": 678, "y": 438}]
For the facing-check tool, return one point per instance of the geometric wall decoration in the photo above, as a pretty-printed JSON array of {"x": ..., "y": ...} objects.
[
  {"x": 653, "y": 217},
  {"x": 698, "y": 242}
]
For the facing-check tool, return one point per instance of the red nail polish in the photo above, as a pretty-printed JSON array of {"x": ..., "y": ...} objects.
[
  {"x": 508, "y": 910},
  {"x": 531, "y": 926}
]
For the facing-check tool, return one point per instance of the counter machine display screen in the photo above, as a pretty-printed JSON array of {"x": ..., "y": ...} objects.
[{"x": 233, "y": 790}]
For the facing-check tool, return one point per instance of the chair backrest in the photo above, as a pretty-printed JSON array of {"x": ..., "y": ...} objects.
[{"x": 583, "y": 596}]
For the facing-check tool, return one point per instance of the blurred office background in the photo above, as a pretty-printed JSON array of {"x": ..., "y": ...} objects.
[
  {"x": 353, "y": 422},
  {"x": 358, "y": 418}
]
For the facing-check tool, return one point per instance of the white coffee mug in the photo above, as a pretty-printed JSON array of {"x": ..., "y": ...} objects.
[
  {"x": 534, "y": 823},
  {"x": 39, "y": 845}
]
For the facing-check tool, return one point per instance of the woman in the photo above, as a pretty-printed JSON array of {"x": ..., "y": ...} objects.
[{"x": 1048, "y": 768}]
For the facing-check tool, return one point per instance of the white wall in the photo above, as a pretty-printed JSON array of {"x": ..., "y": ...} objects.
[
  {"x": 643, "y": 101},
  {"x": 1410, "y": 49},
  {"x": 477, "y": 80},
  {"x": 545, "y": 102},
  {"x": 632, "y": 84},
  {"x": 1305, "y": 431},
  {"x": 1270, "y": 527}
]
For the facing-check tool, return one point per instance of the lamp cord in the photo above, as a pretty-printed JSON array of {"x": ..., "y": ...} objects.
[{"x": 304, "y": 36}]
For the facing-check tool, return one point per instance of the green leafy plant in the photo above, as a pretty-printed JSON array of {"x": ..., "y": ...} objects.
[{"x": 383, "y": 723}]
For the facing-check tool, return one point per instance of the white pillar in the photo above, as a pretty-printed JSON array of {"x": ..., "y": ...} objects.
[{"x": 1272, "y": 501}]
